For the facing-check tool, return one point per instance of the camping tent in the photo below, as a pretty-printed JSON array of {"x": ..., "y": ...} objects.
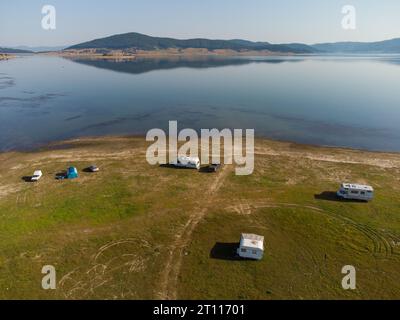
[{"x": 72, "y": 173}]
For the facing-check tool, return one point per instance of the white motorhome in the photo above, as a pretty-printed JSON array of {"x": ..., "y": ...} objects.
[
  {"x": 36, "y": 175},
  {"x": 251, "y": 246},
  {"x": 187, "y": 162},
  {"x": 356, "y": 192}
]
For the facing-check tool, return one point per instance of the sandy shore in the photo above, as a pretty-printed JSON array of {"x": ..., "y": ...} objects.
[
  {"x": 5, "y": 56},
  {"x": 263, "y": 146}
]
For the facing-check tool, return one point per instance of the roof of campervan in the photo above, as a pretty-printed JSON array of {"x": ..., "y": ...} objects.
[
  {"x": 357, "y": 186},
  {"x": 189, "y": 159},
  {"x": 37, "y": 173},
  {"x": 252, "y": 241}
]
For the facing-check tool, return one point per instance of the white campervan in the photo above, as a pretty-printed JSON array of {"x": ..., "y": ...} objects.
[
  {"x": 251, "y": 246},
  {"x": 187, "y": 162},
  {"x": 356, "y": 192}
]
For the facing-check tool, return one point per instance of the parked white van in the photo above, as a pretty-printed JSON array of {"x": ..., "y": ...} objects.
[
  {"x": 187, "y": 162},
  {"x": 36, "y": 175},
  {"x": 251, "y": 246},
  {"x": 356, "y": 192}
]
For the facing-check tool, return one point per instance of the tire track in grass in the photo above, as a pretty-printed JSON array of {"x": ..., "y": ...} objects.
[
  {"x": 381, "y": 248},
  {"x": 170, "y": 274},
  {"x": 380, "y": 245}
]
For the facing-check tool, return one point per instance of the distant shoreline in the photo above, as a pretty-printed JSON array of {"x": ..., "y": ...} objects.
[
  {"x": 68, "y": 143},
  {"x": 6, "y": 56},
  {"x": 121, "y": 55}
]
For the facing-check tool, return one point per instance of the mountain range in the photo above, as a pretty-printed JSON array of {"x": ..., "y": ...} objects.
[
  {"x": 40, "y": 48},
  {"x": 387, "y": 46},
  {"x": 13, "y": 50},
  {"x": 147, "y": 43},
  {"x": 137, "y": 41}
]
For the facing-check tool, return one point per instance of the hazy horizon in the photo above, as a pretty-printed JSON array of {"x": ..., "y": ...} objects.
[{"x": 257, "y": 20}]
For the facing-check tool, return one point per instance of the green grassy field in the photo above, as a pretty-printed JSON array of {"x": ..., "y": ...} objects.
[{"x": 135, "y": 231}]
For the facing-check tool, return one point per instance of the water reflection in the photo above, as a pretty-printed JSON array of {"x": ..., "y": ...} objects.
[{"x": 144, "y": 65}]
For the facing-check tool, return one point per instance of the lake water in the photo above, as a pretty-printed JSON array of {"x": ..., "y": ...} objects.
[{"x": 336, "y": 101}]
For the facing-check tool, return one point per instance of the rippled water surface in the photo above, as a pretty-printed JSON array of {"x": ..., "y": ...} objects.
[{"x": 338, "y": 101}]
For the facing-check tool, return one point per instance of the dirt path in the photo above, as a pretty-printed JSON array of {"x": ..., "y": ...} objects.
[{"x": 170, "y": 274}]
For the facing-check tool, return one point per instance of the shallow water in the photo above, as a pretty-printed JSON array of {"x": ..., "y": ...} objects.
[{"x": 351, "y": 101}]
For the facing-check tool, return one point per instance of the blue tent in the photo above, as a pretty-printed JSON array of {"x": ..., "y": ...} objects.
[{"x": 72, "y": 173}]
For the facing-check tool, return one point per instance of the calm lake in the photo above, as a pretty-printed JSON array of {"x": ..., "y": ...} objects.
[{"x": 336, "y": 101}]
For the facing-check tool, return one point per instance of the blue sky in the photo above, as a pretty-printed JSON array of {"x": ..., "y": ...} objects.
[{"x": 276, "y": 21}]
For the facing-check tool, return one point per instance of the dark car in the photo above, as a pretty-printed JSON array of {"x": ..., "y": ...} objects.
[
  {"x": 214, "y": 167},
  {"x": 93, "y": 169}
]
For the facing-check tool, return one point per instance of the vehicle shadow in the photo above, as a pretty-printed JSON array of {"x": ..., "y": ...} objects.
[
  {"x": 332, "y": 196},
  {"x": 167, "y": 165},
  {"x": 225, "y": 251},
  {"x": 61, "y": 175},
  {"x": 206, "y": 169},
  {"x": 27, "y": 178},
  {"x": 87, "y": 170}
]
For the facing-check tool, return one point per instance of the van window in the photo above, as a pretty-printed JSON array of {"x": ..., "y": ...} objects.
[
  {"x": 243, "y": 250},
  {"x": 354, "y": 192},
  {"x": 254, "y": 252},
  {"x": 363, "y": 192}
]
